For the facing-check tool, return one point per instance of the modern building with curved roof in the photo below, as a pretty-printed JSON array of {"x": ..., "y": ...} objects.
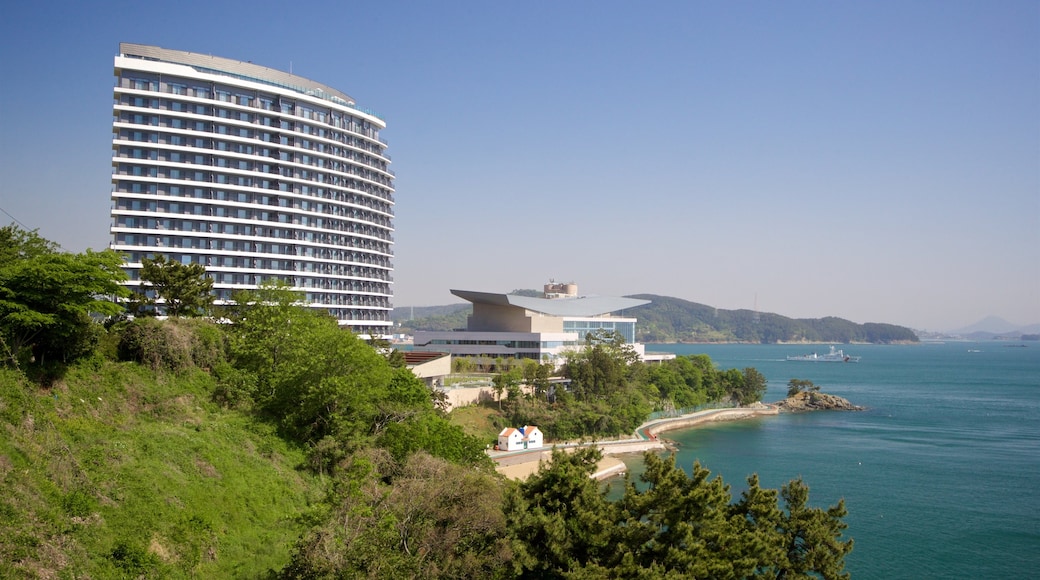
[
  {"x": 543, "y": 329},
  {"x": 255, "y": 173}
]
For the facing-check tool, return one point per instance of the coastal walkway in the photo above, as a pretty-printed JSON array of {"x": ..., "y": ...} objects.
[{"x": 521, "y": 464}]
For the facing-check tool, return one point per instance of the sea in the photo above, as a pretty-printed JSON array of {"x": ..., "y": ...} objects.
[{"x": 940, "y": 475}]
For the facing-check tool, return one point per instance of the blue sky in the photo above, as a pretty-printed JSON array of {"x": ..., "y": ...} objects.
[{"x": 877, "y": 161}]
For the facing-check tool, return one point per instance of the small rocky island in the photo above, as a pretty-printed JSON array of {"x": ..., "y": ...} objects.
[{"x": 805, "y": 396}]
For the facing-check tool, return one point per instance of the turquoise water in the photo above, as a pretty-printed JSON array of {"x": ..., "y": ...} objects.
[{"x": 941, "y": 475}]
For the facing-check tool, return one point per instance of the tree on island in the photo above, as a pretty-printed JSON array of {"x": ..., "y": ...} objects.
[{"x": 796, "y": 386}]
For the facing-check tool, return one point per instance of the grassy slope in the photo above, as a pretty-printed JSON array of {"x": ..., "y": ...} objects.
[
  {"x": 477, "y": 420},
  {"x": 117, "y": 472}
]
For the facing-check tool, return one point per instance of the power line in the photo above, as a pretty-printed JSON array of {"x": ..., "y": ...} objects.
[
  {"x": 26, "y": 228},
  {"x": 23, "y": 226}
]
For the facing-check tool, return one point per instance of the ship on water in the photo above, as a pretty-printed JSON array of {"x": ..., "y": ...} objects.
[{"x": 835, "y": 355}]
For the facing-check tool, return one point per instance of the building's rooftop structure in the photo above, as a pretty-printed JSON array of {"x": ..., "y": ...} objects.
[
  {"x": 242, "y": 70},
  {"x": 571, "y": 306}
]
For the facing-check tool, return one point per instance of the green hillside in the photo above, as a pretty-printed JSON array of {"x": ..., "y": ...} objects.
[
  {"x": 275, "y": 444},
  {"x": 668, "y": 319},
  {"x": 115, "y": 471},
  {"x": 447, "y": 317}
]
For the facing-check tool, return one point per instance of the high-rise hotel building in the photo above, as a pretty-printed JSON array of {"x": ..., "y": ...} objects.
[{"x": 256, "y": 174}]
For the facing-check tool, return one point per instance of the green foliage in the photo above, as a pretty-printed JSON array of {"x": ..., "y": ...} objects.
[
  {"x": 812, "y": 536},
  {"x": 134, "y": 559},
  {"x": 668, "y": 319},
  {"x": 183, "y": 288},
  {"x": 420, "y": 517},
  {"x": 317, "y": 380},
  {"x": 173, "y": 344},
  {"x": 126, "y": 469},
  {"x": 750, "y": 388},
  {"x": 506, "y": 382},
  {"x": 235, "y": 388},
  {"x": 116, "y": 471},
  {"x": 448, "y": 317},
  {"x": 47, "y": 298},
  {"x": 675, "y": 525},
  {"x": 611, "y": 392},
  {"x": 795, "y": 386},
  {"x": 558, "y": 520},
  {"x": 602, "y": 367}
]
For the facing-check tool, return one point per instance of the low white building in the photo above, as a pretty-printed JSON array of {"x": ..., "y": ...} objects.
[{"x": 526, "y": 437}]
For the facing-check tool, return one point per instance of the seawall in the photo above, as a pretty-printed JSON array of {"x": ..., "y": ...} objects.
[{"x": 651, "y": 430}]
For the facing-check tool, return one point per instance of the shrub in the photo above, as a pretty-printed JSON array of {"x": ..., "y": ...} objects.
[
  {"x": 234, "y": 387},
  {"x": 174, "y": 344},
  {"x": 133, "y": 559},
  {"x": 78, "y": 503}
]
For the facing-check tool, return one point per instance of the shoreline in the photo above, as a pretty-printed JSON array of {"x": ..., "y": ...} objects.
[{"x": 523, "y": 464}]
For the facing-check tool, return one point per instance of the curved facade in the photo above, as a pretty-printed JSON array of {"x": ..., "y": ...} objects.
[{"x": 256, "y": 174}]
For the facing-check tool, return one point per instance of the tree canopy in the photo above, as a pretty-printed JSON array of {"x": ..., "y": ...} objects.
[
  {"x": 319, "y": 381},
  {"x": 390, "y": 487},
  {"x": 669, "y": 525},
  {"x": 183, "y": 288},
  {"x": 47, "y": 297}
]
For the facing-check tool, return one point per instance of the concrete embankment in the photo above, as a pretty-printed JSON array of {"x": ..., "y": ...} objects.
[
  {"x": 710, "y": 416},
  {"x": 520, "y": 465}
]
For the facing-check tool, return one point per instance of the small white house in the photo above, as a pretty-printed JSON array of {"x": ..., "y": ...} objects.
[{"x": 526, "y": 437}]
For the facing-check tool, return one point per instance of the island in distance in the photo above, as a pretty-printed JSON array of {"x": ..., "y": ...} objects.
[
  {"x": 669, "y": 320},
  {"x": 803, "y": 395},
  {"x": 816, "y": 401}
]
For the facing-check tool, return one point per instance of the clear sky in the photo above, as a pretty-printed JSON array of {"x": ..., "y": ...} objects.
[{"x": 877, "y": 161}]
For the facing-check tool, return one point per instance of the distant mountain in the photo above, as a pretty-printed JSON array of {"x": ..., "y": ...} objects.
[
  {"x": 990, "y": 324},
  {"x": 995, "y": 328},
  {"x": 668, "y": 319},
  {"x": 447, "y": 317}
]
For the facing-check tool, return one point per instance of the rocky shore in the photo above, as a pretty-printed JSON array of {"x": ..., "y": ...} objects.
[{"x": 816, "y": 401}]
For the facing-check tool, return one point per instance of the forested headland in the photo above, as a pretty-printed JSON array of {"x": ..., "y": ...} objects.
[
  {"x": 276, "y": 445},
  {"x": 668, "y": 319}
]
